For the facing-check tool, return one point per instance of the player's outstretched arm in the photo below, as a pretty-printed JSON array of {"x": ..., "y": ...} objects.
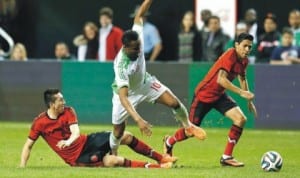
[
  {"x": 26, "y": 152},
  {"x": 244, "y": 85},
  {"x": 144, "y": 126},
  {"x": 138, "y": 19},
  {"x": 75, "y": 133}
]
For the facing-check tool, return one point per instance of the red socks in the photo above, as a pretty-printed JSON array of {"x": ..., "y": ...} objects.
[
  {"x": 140, "y": 147},
  {"x": 139, "y": 164},
  {"x": 178, "y": 136},
  {"x": 233, "y": 137}
]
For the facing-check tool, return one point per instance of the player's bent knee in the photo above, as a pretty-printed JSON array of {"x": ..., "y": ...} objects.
[
  {"x": 167, "y": 98},
  {"x": 118, "y": 135},
  {"x": 175, "y": 104},
  {"x": 126, "y": 138},
  {"x": 118, "y": 131},
  {"x": 240, "y": 121},
  {"x": 110, "y": 161}
]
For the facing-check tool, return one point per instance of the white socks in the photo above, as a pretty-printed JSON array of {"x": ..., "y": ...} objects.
[
  {"x": 114, "y": 142},
  {"x": 181, "y": 115}
]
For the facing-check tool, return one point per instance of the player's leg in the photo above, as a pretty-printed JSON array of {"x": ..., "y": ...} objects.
[
  {"x": 229, "y": 108},
  {"x": 197, "y": 112},
  {"x": 114, "y": 161},
  {"x": 142, "y": 148},
  {"x": 159, "y": 93},
  {"x": 119, "y": 116},
  {"x": 115, "y": 137},
  {"x": 168, "y": 98},
  {"x": 190, "y": 129}
]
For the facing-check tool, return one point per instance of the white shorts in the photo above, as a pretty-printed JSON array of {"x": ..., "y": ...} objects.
[{"x": 149, "y": 91}]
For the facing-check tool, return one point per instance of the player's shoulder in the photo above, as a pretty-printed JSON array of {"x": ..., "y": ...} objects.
[
  {"x": 230, "y": 54},
  {"x": 70, "y": 109},
  {"x": 230, "y": 51},
  {"x": 41, "y": 115}
]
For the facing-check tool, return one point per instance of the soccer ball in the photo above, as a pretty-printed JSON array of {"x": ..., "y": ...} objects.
[{"x": 271, "y": 161}]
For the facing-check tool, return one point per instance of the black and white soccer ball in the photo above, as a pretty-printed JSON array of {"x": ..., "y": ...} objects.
[{"x": 271, "y": 161}]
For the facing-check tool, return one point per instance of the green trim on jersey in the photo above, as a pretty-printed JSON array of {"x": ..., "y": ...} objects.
[
  {"x": 122, "y": 65},
  {"x": 114, "y": 87}
]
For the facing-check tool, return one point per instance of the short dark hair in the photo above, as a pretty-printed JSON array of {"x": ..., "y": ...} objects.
[
  {"x": 129, "y": 36},
  {"x": 213, "y": 17},
  {"x": 271, "y": 16},
  {"x": 49, "y": 95},
  {"x": 106, "y": 11},
  {"x": 244, "y": 36},
  {"x": 287, "y": 30}
]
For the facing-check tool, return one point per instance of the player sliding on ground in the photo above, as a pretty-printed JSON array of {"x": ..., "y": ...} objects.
[
  {"x": 134, "y": 85},
  {"x": 59, "y": 128},
  {"x": 210, "y": 93}
]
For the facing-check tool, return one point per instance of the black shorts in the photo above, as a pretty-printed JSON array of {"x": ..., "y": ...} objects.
[
  {"x": 97, "y": 144},
  {"x": 199, "y": 109}
]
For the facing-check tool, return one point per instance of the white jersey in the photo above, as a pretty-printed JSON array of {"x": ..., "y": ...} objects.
[{"x": 130, "y": 73}]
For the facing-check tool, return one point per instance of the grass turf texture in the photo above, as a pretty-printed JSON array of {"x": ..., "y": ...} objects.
[{"x": 196, "y": 158}]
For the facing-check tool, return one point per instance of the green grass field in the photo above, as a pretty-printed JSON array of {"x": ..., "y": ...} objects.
[{"x": 196, "y": 158}]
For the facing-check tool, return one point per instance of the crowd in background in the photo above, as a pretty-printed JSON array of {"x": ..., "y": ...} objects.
[{"x": 101, "y": 41}]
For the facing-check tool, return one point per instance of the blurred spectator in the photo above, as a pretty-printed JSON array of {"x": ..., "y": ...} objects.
[
  {"x": 6, "y": 44},
  {"x": 214, "y": 41},
  {"x": 250, "y": 18},
  {"x": 241, "y": 27},
  {"x": 188, "y": 39},
  {"x": 18, "y": 53},
  {"x": 110, "y": 36},
  {"x": 152, "y": 39},
  {"x": 286, "y": 53},
  {"x": 268, "y": 40},
  {"x": 62, "y": 51},
  {"x": 294, "y": 21},
  {"x": 205, "y": 14},
  {"x": 87, "y": 43}
]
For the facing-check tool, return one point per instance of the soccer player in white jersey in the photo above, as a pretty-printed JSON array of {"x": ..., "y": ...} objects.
[{"x": 134, "y": 85}]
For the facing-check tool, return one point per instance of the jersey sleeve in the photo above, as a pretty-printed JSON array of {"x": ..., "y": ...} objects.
[
  {"x": 72, "y": 119},
  {"x": 227, "y": 60},
  {"x": 139, "y": 29},
  {"x": 34, "y": 132},
  {"x": 121, "y": 77}
]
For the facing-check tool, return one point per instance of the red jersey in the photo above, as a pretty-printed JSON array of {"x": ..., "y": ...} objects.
[
  {"x": 208, "y": 90},
  {"x": 113, "y": 43},
  {"x": 54, "y": 130}
]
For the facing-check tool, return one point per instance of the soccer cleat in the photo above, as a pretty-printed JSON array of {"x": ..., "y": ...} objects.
[
  {"x": 167, "y": 158},
  {"x": 167, "y": 165},
  {"x": 195, "y": 131},
  {"x": 167, "y": 149},
  {"x": 231, "y": 162}
]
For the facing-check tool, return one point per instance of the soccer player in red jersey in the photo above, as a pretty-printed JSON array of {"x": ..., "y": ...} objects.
[
  {"x": 59, "y": 128},
  {"x": 210, "y": 93}
]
